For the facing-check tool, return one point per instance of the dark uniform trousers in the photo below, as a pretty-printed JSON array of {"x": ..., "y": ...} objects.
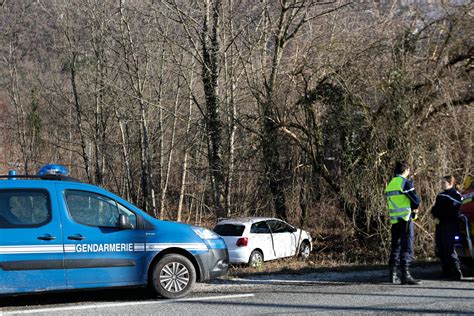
[
  {"x": 403, "y": 237},
  {"x": 444, "y": 238}
]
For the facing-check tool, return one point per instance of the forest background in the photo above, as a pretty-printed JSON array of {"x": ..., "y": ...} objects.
[{"x": 196, "y": 110}]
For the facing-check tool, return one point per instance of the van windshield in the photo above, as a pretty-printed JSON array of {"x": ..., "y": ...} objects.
[{"x": 229, "y": 230}]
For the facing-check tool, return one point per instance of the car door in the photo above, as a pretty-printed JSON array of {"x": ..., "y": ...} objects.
[
  {"x": 291, "y": 237},
  {"x": 296, "y": 238},
  {"x": 97, "y": 250},
  {"x": 283, "y": 238},
  {"x": 260, "y": 237},
  {"x": 31, "y": 248}
]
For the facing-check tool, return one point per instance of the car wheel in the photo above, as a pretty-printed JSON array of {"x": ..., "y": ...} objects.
[
  {"x": 256, "y": 259},
  {"x": 305, "y": 250},
  {"x": 173, "y": 276}
]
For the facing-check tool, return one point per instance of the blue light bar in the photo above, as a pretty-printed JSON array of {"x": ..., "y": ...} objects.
[
  {"x": 53, "y": 169},
  {"x": 11, "y": 174}
]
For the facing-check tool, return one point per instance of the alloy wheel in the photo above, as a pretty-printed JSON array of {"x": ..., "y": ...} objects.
[{"x": 174, "y": 277}]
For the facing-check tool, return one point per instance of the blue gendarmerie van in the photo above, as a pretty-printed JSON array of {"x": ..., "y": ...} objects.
[{"x": 57, "y": 234}]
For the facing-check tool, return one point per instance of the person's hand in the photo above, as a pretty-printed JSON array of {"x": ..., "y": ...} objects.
[{"x": 414, "y": 214}]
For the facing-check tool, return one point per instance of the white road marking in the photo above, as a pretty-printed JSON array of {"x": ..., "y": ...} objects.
[
  {"x": 271, "y": 281},
  {"x": 115, "y": 305}
]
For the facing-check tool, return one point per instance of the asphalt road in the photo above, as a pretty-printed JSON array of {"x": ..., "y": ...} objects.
[{"x": 318, "y": 293}]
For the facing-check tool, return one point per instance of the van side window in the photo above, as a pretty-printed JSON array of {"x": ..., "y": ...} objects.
[
  {"x": 132, "y": 218},
  {"x": 24, "y": 208},
  {"x": 93, "y": 209}
]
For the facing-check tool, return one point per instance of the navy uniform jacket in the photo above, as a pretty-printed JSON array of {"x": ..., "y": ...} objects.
[
  {"x": 410, "y": 192},
  {"x": 447, "y": 205}
]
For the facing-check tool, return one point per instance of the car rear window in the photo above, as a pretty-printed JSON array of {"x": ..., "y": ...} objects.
[{"x": 229, "y": 230}]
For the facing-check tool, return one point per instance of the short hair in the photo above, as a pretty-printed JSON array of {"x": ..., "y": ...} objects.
[
  {"x": 401, "y": 166},
  {"x": 450, "y": 179}
]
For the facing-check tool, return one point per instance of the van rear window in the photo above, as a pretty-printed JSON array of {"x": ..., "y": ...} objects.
[
  {"x": 23, "y": 208},
  {"x": 229, "y": 230}
]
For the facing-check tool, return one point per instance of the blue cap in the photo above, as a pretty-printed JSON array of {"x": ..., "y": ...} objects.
[{"x": 53, "y": 169}]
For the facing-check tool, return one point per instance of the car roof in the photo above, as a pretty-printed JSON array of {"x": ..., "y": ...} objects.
[{"x": 244, "y": 220}]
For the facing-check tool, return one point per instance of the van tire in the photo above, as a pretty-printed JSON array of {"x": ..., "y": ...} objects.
[{"x": 173, "y": 276}]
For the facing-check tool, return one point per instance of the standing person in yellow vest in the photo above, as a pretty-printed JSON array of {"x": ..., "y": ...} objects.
[{"x": 402, "y": 203}]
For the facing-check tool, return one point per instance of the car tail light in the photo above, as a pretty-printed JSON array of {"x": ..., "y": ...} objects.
[{"x": 242, "y": 242}]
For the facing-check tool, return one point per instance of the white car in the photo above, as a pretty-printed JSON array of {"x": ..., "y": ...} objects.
[{"x": 253, "y": 240}]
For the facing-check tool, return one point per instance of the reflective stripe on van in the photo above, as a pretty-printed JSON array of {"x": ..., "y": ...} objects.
[
  {"x": 27, "y": 249},
  {"x": 188, "y": 246},
  {"x": 118, "y": 247}
]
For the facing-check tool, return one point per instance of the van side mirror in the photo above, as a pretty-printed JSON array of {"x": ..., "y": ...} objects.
[{"x": 124, "y": 222}]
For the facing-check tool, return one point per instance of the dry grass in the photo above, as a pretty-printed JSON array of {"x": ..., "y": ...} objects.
[
  {"x": 335, "y": 248},
  {"x": 298, "y": 266}
]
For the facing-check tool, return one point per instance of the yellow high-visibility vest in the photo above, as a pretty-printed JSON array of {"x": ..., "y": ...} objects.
[
  {"x": 467, "y": 198},
  {"x": 398, "y": 202}
]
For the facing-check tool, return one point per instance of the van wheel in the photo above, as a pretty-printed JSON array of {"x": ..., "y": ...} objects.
[
  {"x": 256, "y": 259},
  {"x": 173, "y": 276},
  {"x": 305, "y": 250}
]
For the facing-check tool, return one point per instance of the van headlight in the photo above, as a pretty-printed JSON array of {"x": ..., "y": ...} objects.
[{"x": 205, "y": 233}]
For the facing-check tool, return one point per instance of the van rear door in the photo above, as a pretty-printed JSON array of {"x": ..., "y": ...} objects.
[{"x": 31, "y": 248}]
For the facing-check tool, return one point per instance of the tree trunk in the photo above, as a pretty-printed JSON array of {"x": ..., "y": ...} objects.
[
  {"x": 210, "y": 75},
  {"x": 232, "y": 109},
  {"x": 164, "y": 189},
  {"x": 271, "y": 155},
  {"x": 186, "y": 152},
  {"x": 126, "y": 158},
  {"x": 78, "y": 109}
]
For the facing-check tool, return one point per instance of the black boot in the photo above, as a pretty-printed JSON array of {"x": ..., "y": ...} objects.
[
  {"x": 456, "y": 272},
  {"x": 408, "y": 279},
  {"x": 457, "y": 275},
  {"x": 393, "y": 275}
]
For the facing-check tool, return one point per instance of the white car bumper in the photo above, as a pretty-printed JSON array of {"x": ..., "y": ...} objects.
[{"x": 239, "y": 255}]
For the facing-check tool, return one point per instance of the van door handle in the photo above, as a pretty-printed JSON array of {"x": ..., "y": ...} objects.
[
  {"x": 76, "y": 237},
  {"x": 46, "y": 237}
]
